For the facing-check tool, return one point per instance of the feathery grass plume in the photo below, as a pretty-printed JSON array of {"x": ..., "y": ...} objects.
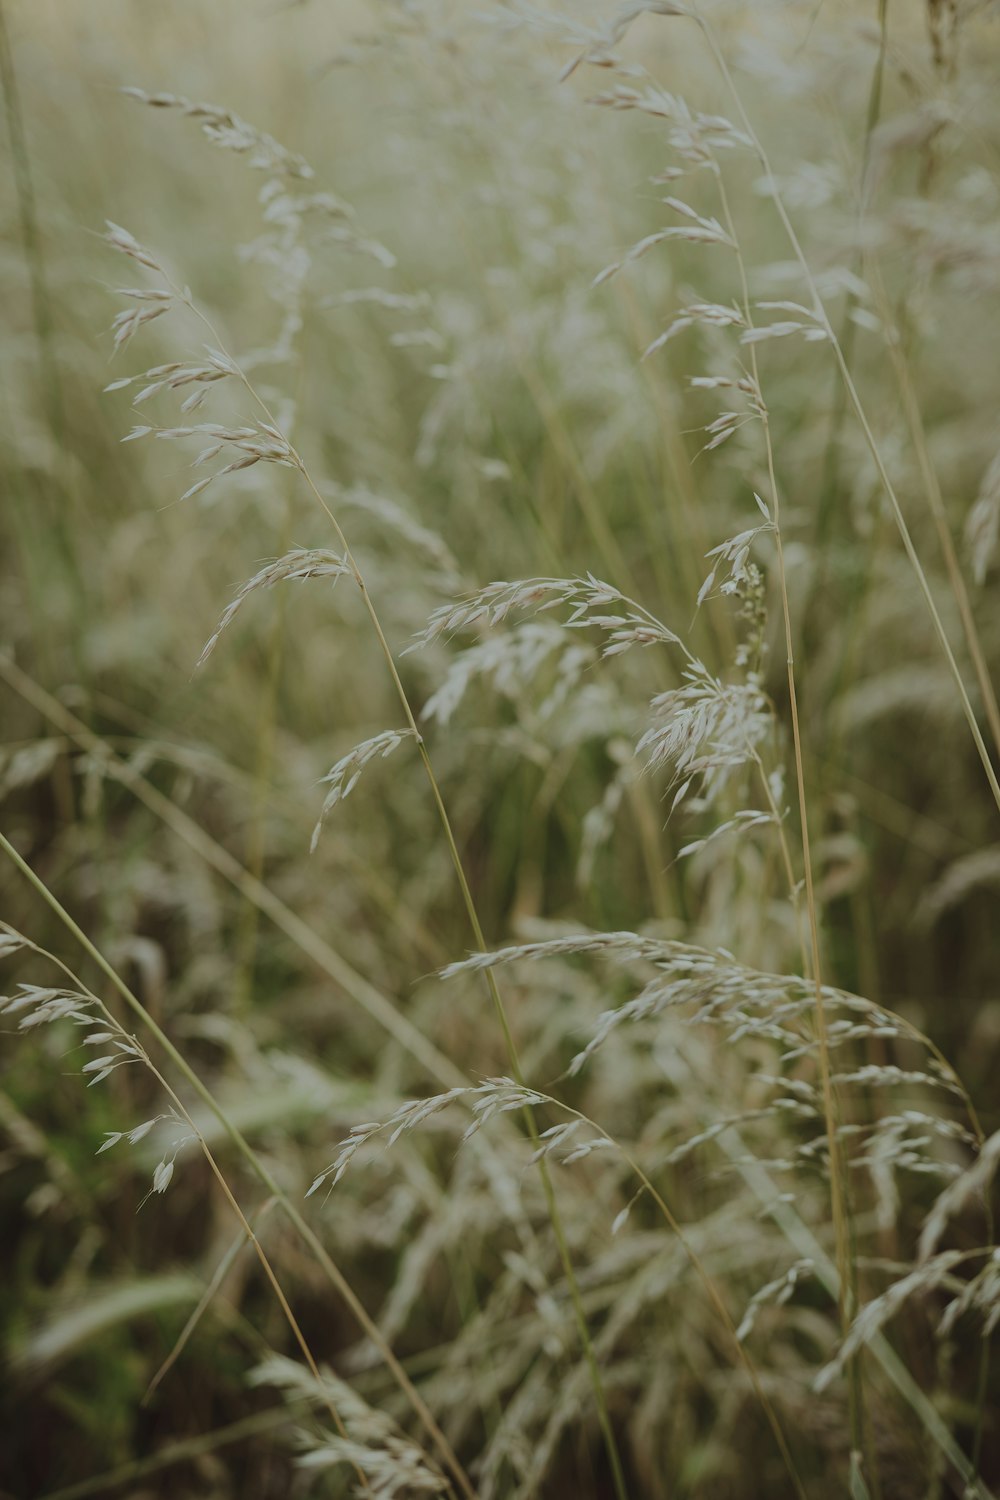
[
  {"x": 701, "y": 232},
  {"x": 875, "y": 1314},
  {"x": 495, "y": 1096},
  {"x": 588, "y": 597},
  {"x": 35, "y": 1006},
  {"x": 709, "y": 313},
  {"x": 685, "y": 976},
  {"x": 711, "y": 989},
  {"x": 706, "y": 728},
  {"x": 296, "y": 566},
  {"x": 151, "y": 302},
  {"x": 775, "y": 1294},
  {"x": 982, "y": 525},
  {"x": 352, "y": 567},
  {"x": 344, "y": 776},
  {"x": 350, "y": 564},
  {"x": 261, "y": 443},
  {"x": 981, "y": 1295},
  {"x": 230, "y": 133},
  {"x": 174, "y": 376},
  {"x": 388, "y": 1465},
  {"x": 969, "y": 1184},
  {"x": 80, "y": 1006},
  {"x": 512, "y": 661}
]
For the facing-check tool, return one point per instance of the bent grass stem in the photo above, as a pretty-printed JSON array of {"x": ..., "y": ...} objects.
[
  {"x": 332, "y": 1270},
  {"x": 468, "y": 900}
]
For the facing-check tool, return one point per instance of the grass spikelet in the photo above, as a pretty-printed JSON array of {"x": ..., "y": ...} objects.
[
  {"x": 296, "y": 566},
  {"x": 344, "y": 776}
]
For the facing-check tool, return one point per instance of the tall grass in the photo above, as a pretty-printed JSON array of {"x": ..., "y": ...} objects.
[{"x": 500, "y": 770}]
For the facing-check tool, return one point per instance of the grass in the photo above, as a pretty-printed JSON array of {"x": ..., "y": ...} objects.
[{"x": 499, "y": 859}]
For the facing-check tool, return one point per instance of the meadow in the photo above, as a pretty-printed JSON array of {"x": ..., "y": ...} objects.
[{"x": 499, "y": 804}]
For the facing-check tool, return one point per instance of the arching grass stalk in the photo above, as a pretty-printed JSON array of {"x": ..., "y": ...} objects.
[
  {"x": 801, "y": 1237},
  {"x": 214, "y": 1285},
  {"x": 378, "y": 1006},
  {"x": 856, "y": 404},
  {"x": 707, "y": 1282},
  {"x": 890, "y": 491},
  {"x": 375, "y": 1004},
  {"x": 468, "y": 901},
  {"x": 839, "y": 1191},
  {"x": 331, "y": 1269},
  {"x": 227, "y": 1192}
]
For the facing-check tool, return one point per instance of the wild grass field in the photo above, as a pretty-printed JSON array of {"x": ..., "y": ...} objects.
[{"x": 500, "y": 829}]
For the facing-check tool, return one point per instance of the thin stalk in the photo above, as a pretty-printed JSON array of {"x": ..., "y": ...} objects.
[
  {"x": 589, "y": 501},
  {"x": 887, "y": 485},
  {"x": 649, "y": 844},
  {"x": 707, "y": 1282},
  {"x": 333, "y": 1272},
  {"x": 769, "y": 1194},
  {"x": 468, "y": 901},
  {"x": 374, "y": 1002},
  {"x": 786, "y": 853},
  {"x": 860, "y": 413},
  {"x": 265, "y": 726},
  {"x": 378, "y": 1006},
  {"x": 677, "y": 463},
  {"x": 838, "y": 1182},
  {"x": 218, "y": 1276}
]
